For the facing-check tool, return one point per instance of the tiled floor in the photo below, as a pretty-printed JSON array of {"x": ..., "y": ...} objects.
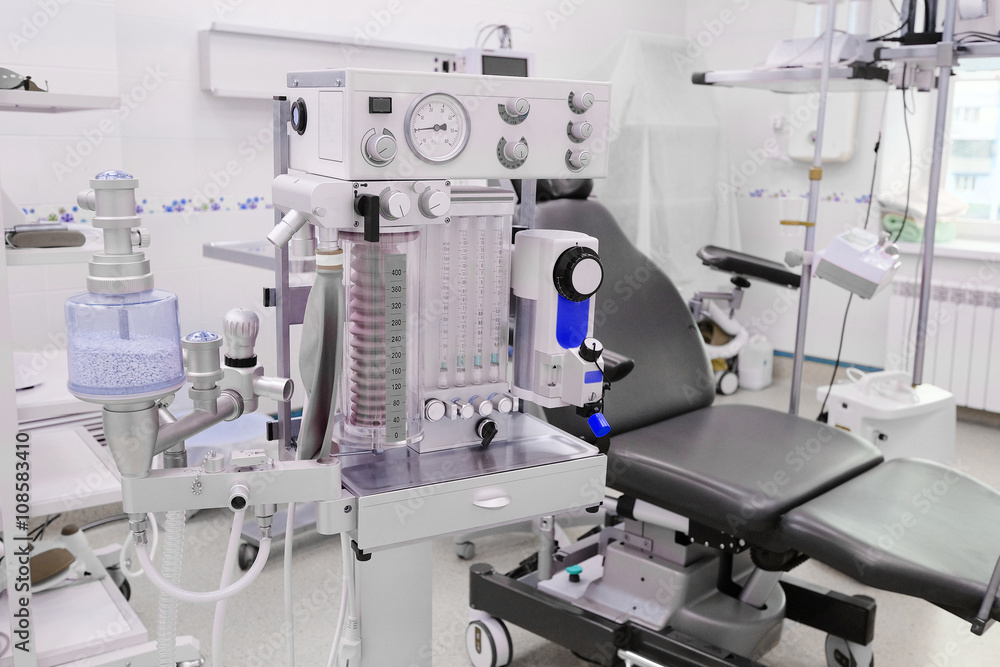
[{"x": 910, "y": 632}]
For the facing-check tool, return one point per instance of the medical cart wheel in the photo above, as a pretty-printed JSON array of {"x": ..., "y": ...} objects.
[
  {"x": 465, "y": 550},
  {"x": 488, "y": 643},
  {"x": 727, "y": 383},
  {"x": 126, "y": 590},
  {"x": 842, "y": 653},
  {"x": 246, "y": 556}
]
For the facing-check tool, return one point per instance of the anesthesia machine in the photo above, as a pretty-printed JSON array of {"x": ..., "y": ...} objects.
[{"x": 415, "y": 426}]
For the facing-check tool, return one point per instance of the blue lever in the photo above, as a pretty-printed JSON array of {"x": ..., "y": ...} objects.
[{"x": 599, "y": 425}]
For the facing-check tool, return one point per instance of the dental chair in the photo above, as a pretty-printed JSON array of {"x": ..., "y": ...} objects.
[{"x": 719, "y": 502}]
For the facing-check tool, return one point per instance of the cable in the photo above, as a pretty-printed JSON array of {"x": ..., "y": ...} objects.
[
  {"x": 105, "y": 520},
  {"x": 227, "y": 574},
  {"x": 289, "y": 611},
  {"x": 836, "y": 365},
  {"x": 909, "y": 168}
]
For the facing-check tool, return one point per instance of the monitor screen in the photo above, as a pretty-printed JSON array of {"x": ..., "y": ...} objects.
[{"x": 505, "y": 66}]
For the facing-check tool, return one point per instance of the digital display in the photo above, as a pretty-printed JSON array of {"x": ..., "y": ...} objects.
[
  {"x": 501, "y": 66},
  {"x": 379, "y": 105}
]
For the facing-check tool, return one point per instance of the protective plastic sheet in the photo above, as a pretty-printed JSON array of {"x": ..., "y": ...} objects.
[{"x": 668, "y": 154}]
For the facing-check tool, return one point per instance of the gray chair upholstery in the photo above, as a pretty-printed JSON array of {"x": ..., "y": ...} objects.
[
  {"x": 784, "y": 483},
  {"x": 669, "y": 446}
]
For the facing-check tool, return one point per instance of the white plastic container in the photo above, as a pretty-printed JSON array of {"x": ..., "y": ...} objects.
[
  {"x": 756, "y": 364},
  {"x": 902, "y": 421}
]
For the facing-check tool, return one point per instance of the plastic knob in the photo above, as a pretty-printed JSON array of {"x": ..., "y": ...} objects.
[
  {"x": 240, "y": 329},
  {"x": 380, "y": 148},
  {"x": 574, "y": 572},
  {"x": 465, "y": 409},
  {"x": 487, "y": 429},
  {"x": 434, "y": 410},
  {"x": 483, "y": 406},
  {"x": 515, "y": 151},
  {"x": 578, "y": 273},
  {"x": 581, "y": 100},
  {"x": 580, "y": 159},
  {"x": 394, "y": 205},
  {"x": 502, "y": 403},
  {"x": 581, "y": 130},
  {"x": 140, "y": 238},
  {"x": 434, "y": 203},
  {"x": 599, "y": 425},
  {"x": 517, "y": 106},
  {"x": 591, "y": 349}
]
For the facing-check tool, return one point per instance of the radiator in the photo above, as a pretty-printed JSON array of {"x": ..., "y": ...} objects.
[{"x": 963, "y": 324}]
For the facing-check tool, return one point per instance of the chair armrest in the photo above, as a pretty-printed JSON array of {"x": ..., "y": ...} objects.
[{"x": 616, "y": 366}]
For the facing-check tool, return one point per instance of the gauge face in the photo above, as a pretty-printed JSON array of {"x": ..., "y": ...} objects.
[{"x": 437, "y": 127}]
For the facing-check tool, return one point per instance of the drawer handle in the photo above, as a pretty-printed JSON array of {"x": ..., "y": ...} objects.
[{"x": 493, "y": 503}]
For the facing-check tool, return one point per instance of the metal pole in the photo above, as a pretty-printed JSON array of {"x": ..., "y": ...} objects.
[
  {"x": 283, "y": 307},
  {"x": 946, "y": 57},
  {"x": 815, "y": 174}
]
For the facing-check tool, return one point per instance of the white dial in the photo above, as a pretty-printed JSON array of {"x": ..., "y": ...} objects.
[{"x": 437, "y": 127}]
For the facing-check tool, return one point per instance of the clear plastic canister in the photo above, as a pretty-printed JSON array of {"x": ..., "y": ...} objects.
[
  {"x": 123, "y": 345},
  {"x": 378, "y": 399}
]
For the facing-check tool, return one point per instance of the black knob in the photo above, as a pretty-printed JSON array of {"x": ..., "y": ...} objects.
[
  {"x": 591, "y": 349},
  {"x": 299, "y": 118},
  {"x": 367, "y": 206},
  {"x": 487, "y": 429},
  {"x": 578, "y": 273}
]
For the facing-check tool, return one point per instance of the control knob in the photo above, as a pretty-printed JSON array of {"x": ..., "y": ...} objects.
[
  {"x": 581, "y": 130},
  {"x": 515, "y": 151},
  {"x": 434, "y": 203},
  {"x": 580, "y": 159},
  {"x": 581, "y": 100},
  {"x": 394, "y": 204},
  {"x": 380, "y": 148},
  {"x": 578, "y": 273},
  {"x": 517, "y": 106}
]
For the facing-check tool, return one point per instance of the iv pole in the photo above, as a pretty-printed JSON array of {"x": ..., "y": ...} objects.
[{"x": 815, "y": 176}]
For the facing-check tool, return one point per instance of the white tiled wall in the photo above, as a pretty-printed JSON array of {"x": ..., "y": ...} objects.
[{"x": 174, "y": 137}]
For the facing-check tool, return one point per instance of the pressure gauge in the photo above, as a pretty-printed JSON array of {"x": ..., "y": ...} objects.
[{"x": 437, "y": 127}]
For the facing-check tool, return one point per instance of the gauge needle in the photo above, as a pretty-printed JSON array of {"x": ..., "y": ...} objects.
[{"x": 442, "y": 126}]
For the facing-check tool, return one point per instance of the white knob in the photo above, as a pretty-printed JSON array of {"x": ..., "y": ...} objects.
[
  {"x": 582, "y": 100},
  {"x": 483, "y": 406},
  {"x": 502, "y": 402},
  {"x": 465, "y": 409},
  {"x": 434, "y": 410},
  {"x": 380, "y": 148},
  {"x": 581, "y": 130},
  {"x": 394, "y": 204},
  {"x": 240, "y": 329},
  {"x": 517, "y": 106},
  {"x": 515, "y": 151},
  {"x": 434, "y": 203},
  {"x": 580, "y": 159}
]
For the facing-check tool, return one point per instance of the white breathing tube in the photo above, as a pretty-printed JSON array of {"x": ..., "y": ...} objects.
[
  {"x": 731, "y": 327},
  {"x": 123, "y": 554},
  {"x": 227, "y": 574},
  {"x": 204, "y": 596}
]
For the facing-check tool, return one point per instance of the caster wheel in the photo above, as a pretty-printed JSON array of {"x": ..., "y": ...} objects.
[
  {"x": 126, "y": 590},
  {"x": 488, "y": 643},
  {"x": 842, "y": 653},
  {"x": 465, "y": 550},
  {"x": 727, "y": 382},
  {"x": 246, "y": 556}
]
